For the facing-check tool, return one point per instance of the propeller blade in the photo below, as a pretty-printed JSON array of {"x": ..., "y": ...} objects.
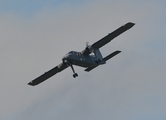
[{"x": 87, "y": 44}]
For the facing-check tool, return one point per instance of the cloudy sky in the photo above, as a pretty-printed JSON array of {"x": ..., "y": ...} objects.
[{"x": 36, "y": 34}]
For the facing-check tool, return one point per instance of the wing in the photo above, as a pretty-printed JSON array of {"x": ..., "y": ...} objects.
[
  {"x": 112, "y": 35},
  {"x": 48, "y": 74}
]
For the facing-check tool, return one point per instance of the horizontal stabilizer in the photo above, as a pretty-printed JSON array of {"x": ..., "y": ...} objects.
[
  {"x": 111, "y": 55},
  {"x": 90, "y": 68},
  {"x": 105, "y": 59}
]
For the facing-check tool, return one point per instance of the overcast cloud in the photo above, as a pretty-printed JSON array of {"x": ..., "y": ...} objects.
[{"x": 131, "y": 86}]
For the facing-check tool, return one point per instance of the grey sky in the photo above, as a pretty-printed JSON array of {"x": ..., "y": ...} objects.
[{"x": 130, "y": 86}]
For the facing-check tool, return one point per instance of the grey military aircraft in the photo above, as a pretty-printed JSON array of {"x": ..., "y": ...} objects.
[{"x": 89, "y": 58}]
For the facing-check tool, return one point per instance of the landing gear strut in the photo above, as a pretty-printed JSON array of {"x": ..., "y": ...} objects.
[
  {"x": 75, "y": 74},
  {"x": 69, "y": 64}
]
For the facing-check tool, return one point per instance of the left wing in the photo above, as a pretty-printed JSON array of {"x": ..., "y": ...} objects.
[{"x": 48, "y": 74}]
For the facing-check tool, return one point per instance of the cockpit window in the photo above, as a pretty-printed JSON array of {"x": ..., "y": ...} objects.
[{"x": 71, "y": 52}]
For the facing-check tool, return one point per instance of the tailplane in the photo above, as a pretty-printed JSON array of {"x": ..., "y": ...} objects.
[
  {"x": 111, "y": 55},
  {"x": 104, "y": 59}
]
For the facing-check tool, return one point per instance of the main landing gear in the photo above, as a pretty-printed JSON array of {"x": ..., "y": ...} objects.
[
  {"x": 75, "y": 74},
  {"x": 69, "y": 64}
]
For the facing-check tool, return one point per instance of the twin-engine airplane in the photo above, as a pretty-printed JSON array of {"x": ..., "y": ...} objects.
[{"x": 84, "y": 58}]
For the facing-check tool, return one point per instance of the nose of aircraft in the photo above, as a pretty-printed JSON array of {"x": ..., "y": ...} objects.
[{"x": 65, "y": 57}]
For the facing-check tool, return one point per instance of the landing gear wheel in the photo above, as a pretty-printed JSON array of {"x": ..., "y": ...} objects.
[{"x": 75, "y": 75}]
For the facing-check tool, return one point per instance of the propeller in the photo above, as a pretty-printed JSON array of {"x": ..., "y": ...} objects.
[
  {"x": 87, "y": 44},
  {"x": 87, "y": 49}
]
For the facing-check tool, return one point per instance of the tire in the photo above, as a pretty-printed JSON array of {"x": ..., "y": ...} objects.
[{"x": 76, "y": 74}]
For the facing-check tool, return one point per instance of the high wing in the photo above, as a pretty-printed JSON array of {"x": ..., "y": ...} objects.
[
  {"x": 112, "y": 35},
  {"x": 48, "y": 74}
]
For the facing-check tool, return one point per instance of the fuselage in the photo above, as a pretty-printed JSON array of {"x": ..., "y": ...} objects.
[{"x": 77, "y": 58}]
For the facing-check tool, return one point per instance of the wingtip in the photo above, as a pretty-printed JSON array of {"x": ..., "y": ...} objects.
[
  {"x": 118, "y": 51},
  {"x": 130, "y": 24},
  {"x": 30, "y": 83}
]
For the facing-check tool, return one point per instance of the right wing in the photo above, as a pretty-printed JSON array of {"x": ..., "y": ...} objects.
[
  {"x": 48, "y": 74},
  {"x": 112, "y": 35}
]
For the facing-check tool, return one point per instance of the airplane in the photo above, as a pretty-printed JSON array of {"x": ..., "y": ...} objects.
[{"x": 89, "y": 58}]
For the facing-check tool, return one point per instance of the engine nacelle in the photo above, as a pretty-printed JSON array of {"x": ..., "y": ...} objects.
[{"x": 88, "y": 50}]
